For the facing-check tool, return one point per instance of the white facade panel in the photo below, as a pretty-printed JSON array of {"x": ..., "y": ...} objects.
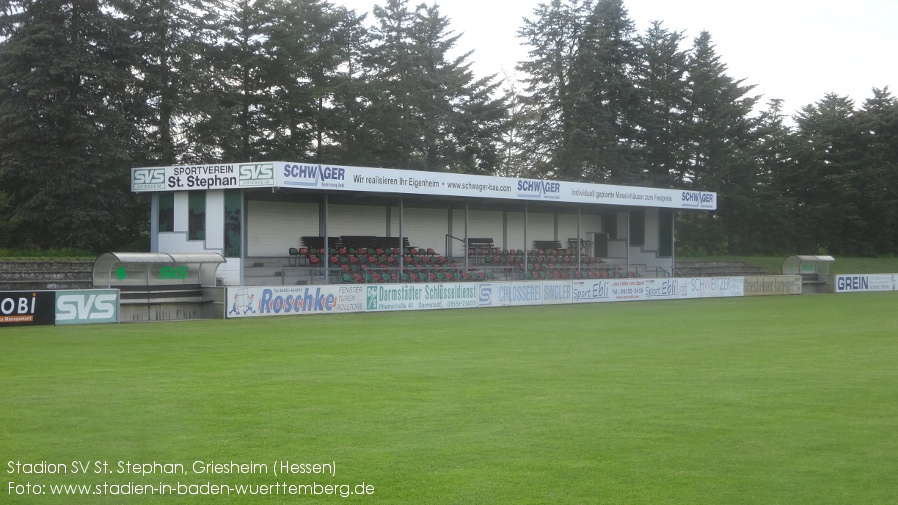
[
  {"x": 181, "y": 211},
  {"x": 176, "y": 242},
  {"x": 274, "y": 227},
  {"x": 356, "y": 220},
  {"x": 215, "y": 211},
  {"x": 652, "y": 237},
  {"x": 425, "y": 227},
  {"x": 515, "y": 230},
  {"x": 540, "y": 227},
  {"x": 229, "y": 272},
  {"x": 567, "y": 229}
]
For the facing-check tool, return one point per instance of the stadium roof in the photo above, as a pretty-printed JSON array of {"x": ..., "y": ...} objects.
[{"x": 319, "y": 177}]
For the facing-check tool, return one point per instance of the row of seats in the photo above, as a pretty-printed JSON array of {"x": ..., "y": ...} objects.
[
  {"x": 376, "y": 275},
  {"x": 539, "y": 271},
  {"x": 386, "y": 275},
  {"x": 304, "y": 256},
  {"x": 418, "y": 264}
]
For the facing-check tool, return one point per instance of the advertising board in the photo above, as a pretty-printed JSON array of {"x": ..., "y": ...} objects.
[
  {"x": 380, "y": 297},
  {"x": 87, "y": 306},
  {"x": 382, "y": 180},
  {"x": 24, "y": 308},
  {"x": 621, "y": 290},
  {"x": 773, "y": 285},
  {"x": 292, "y": 300},
  {"x": 866, "y": 282},
  {"x": 195, "y": 177},
  {"x": 251, "y": 301},
  {"x": 503, "y": 294}
]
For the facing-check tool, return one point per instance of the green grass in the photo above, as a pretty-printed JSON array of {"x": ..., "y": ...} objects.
[{"x": 744, "y": 401}]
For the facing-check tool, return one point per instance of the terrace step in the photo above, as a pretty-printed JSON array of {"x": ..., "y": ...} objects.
[
  {"x": 45, "y": 275},
  {"x": 717, "y": 268}
]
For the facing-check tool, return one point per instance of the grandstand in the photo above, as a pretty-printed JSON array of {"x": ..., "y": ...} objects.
[
  {"x": 279, "y": 223},
  {"x": 373, "y": 260}
]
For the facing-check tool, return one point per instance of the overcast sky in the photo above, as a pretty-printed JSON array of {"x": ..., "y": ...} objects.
[{"x": 795, "y": 50}]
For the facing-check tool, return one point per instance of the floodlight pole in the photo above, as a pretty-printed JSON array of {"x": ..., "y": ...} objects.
[
  {"x": 401, "y": 242},
  {"x": 526, "y": 250},
  {"x": 628, "y": 241},
  {"x": 579, "y": 240},
  {"x": 327, "y": 255},
  {"x": 465, "y": 245},
  {"x": 673, "y": 241}
]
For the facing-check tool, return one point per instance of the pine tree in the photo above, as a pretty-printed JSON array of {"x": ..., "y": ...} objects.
[
  {"x": 170, "y": 39},
  {"x": 877, "y": 123},
  {"x": 427, "y": 111},
  {"x": 826, "y": 181},
  {"x": 580, "y": 91},
  {"x": 549, "y": 99},
  {"x": 65, "y": 82},
  {"x": 718, "y": 144},
  {"x": 660, "y": 79}
]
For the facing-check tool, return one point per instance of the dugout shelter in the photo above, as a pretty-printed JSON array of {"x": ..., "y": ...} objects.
[{"x": 288, "y": 223}]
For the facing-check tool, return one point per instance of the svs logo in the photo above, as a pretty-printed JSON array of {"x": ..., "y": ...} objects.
[
  {"x": 147, "y": 178},
  {"x": 486, "y": 294},
  {"x": 257, "y": 174},
  {"x": 168, "y": 273},
  {"x": 86, "y": 307}
]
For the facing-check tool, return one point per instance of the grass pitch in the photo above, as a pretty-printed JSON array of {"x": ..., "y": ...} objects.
[{"x": 754, "y": 400}]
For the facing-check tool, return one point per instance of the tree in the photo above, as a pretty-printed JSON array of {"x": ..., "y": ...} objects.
[
  {"x": 660, "y": 78},
  {"x": 719, "y": 145},
  {"x": 170, "y": 38},
  {"x": 767, "y": 222},
  {"x": 580, "y": 91},
  {"x": 230, "y": 123},
  {"x": 877, "y": 123},
  {"x": 427, "y": 111},
  {"x": 607, "y": 108},
  {"x": 825, "y": 184},
  {"x": 65, "y": 80}
]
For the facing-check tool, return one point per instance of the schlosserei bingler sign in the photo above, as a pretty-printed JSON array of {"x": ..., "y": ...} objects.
[{"x": 407, "y": 182}]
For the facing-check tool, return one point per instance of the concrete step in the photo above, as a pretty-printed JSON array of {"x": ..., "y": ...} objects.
[
  {"x": 717, "y": 269},
  {"x": 45, "y": 275}
]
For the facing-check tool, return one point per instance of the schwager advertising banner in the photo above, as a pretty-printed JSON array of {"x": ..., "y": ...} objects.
[
  {"x": 345, "y": 178},
  {"x": 87, "y": 306},
  {"x": 292, "y": 300},
  {"x": 23, "y": 308},
  {"x": 365, "y": 179},
  {"x": 868, "y": 282}
]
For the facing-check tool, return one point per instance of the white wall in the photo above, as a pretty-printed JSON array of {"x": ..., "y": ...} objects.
[
  {"x": 215, "y": 210},
  {"x": 356, "y": 220},
  {"x": 274, "y": 227},
  {"x": 423, "y": 227}
]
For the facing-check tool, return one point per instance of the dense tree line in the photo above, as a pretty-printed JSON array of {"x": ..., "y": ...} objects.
[{"x": 90, "y": 88}]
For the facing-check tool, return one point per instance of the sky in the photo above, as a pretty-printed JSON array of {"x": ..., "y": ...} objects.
[{"x": 794, "y": 50}]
